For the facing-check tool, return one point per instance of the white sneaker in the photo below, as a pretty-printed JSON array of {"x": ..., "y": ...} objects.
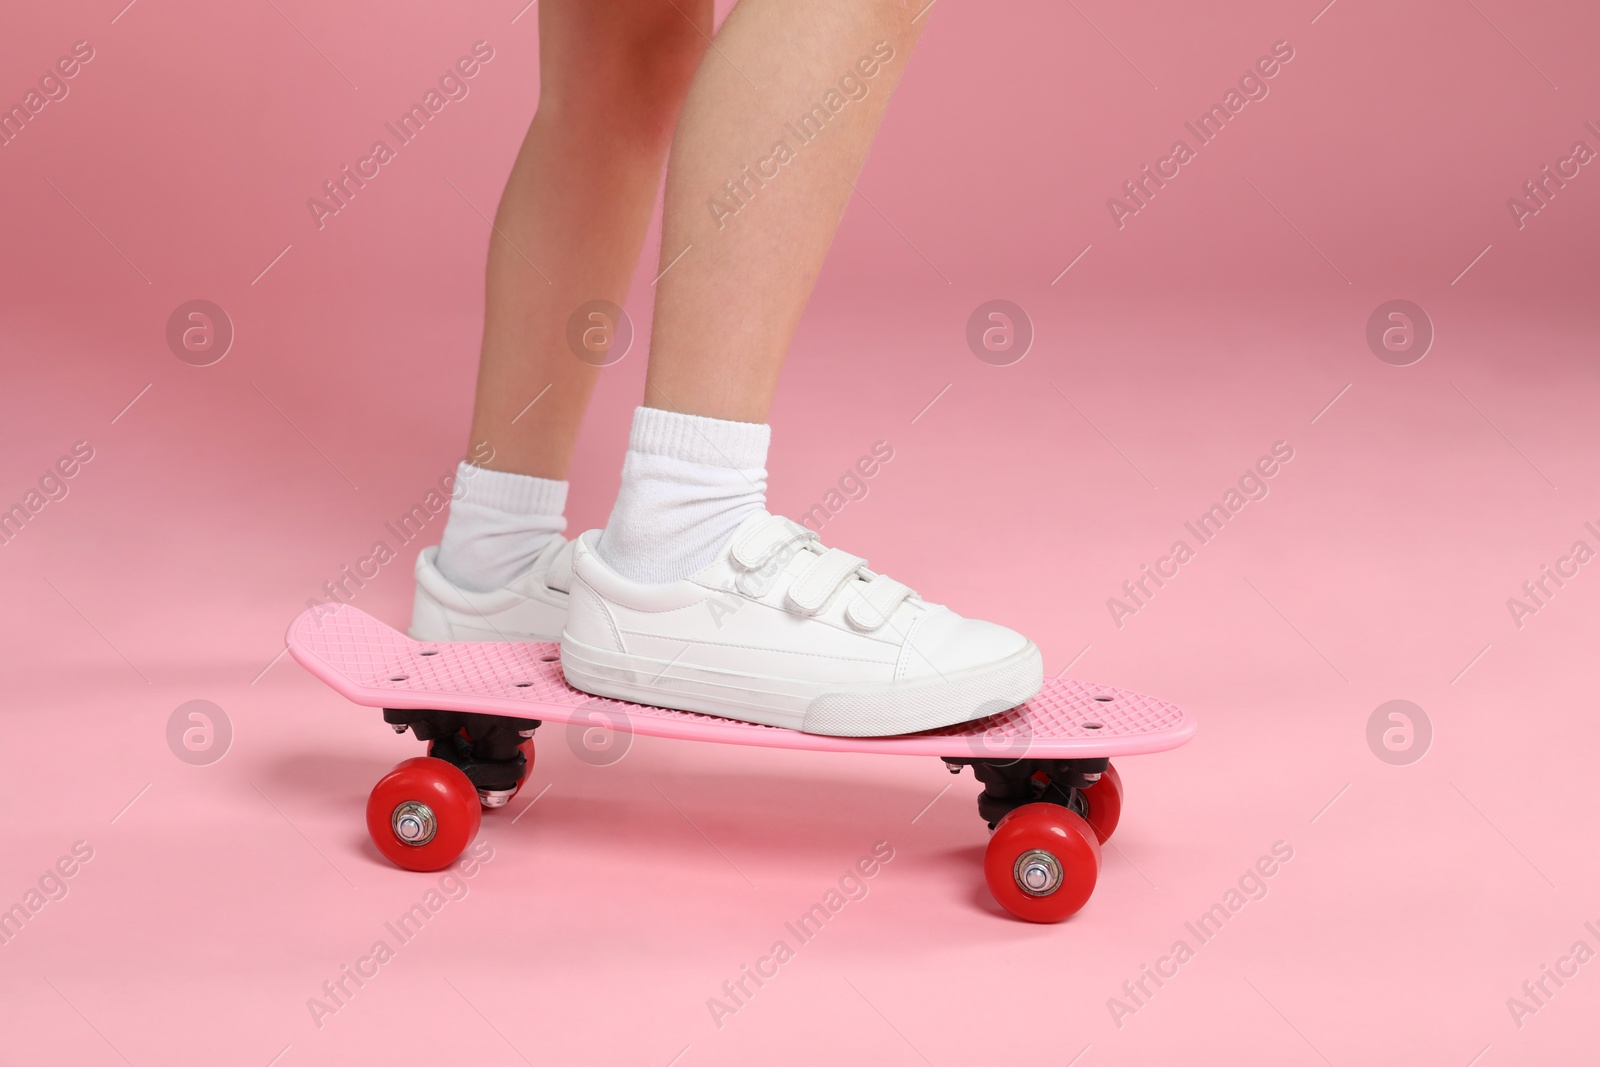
[
  {"x": 782, "y": 631},
  {"x": 530, "y": 607}
]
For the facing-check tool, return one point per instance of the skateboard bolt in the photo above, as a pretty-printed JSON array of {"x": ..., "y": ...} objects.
[
  {"x": 1038, "y": 873},
  {"x": 413, "y": 823}
]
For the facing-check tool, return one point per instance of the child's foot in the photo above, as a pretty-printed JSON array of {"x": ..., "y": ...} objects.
[
  {"x": 530, "y": 607},
  {"x": 782, "y": 631}
]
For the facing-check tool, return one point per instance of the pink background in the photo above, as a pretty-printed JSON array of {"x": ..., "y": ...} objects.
[{"x": 1222, "y": 318}]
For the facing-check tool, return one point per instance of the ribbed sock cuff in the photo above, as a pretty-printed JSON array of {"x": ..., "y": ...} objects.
[
  {"x": 697, "y": 439},
  {"x": 515, "y": 494}
]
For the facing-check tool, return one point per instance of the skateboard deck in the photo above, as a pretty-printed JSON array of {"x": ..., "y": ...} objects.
[
  {"x": 374, "y": 665},
  {"x": 1050, "y": 792}
]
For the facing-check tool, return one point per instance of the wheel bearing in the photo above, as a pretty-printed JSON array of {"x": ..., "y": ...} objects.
[
  {"x": 495, "y": 798},
  {"x": 413, "y": 823},
  {"x": 1037, "y": 872}
]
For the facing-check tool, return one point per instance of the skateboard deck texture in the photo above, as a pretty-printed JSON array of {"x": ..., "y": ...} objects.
[{"x": 372, "y": 664}]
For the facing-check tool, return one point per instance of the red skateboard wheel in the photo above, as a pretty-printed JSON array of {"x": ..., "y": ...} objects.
[
  {"x": 1042, "y": 862},
  {"x": 423, "y": 814},
  {"x": 1105, "y": 803}
]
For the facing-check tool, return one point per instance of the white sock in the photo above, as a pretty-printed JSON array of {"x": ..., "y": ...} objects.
[
  {"x": 687, "y": 483},
  {"x": 499, "y": 523}
]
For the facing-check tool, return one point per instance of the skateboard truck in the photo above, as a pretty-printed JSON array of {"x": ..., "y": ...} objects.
[
  {"x": 1009, "y": 784},
  {"x": 488, "y": 749}
]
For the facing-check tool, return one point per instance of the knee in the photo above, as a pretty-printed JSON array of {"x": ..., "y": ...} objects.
[
  {"x": 656, "y": 45},
  {"x": 625, "y": 64}
]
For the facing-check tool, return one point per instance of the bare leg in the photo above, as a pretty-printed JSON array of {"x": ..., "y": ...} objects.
[
  {"x": 693, "y": 596},
  {"x": 572, "y": 219},
  {"x": 726, "y": 310},
  {"x": 568, "y": 230}
]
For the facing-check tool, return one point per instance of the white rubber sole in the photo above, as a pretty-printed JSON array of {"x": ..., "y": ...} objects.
[
  {"x": 457, "y": 633},
  {"x": 432, "y": 620},
  {"x": 878, "y": 710}
]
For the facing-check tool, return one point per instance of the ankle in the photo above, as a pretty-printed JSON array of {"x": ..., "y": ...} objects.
[
  {"x": 499, "y": 524},
  {"x": 687, "y": 484}
]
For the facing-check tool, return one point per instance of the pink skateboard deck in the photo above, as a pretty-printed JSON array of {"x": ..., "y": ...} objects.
[
  {"x": 371, "y": 664},
  {"x": 1051, "y": 794}
]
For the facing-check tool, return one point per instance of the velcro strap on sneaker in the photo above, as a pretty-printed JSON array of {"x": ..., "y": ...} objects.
[
  {"x": 766, "y": 539},
  {"x": 810, "y": 592},
  {"x": 877, "y": 602}
]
